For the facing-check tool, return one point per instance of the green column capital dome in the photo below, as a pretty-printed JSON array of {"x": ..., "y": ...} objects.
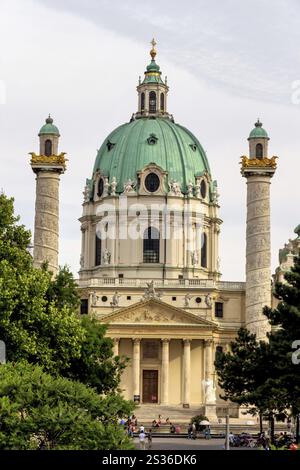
[
  {"x": 258, "y": 132},
  {"x": 49, "y": 128}
]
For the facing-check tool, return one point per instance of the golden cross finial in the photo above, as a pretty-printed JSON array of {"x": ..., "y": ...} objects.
[{"x": 153, "y": 50}]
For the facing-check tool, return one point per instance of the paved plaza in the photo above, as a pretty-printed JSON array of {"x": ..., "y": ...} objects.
[{"x": 183, "y": 443}]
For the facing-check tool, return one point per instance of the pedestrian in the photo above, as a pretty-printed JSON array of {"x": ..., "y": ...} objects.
[
  {"x": 142, "y": 428},
  {"x": 142, "y": 437},
  {"x": 194, "y": 431},
  {"x": 149, "y": 437},
  {"x": 190, "y": 431}
]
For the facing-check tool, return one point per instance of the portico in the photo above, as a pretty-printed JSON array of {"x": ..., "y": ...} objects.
[{"x": 171, "y": 352}]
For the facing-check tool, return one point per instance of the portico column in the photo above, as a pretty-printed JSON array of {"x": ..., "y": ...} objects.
[
  {"x": 136, "y": 366},
  {"x": 186, "y": 372},
  {"x": 208, "y": 351},
  {"x": 165, "y": 371},
  {"x": 209, "y": 386},
  {"x": 116, "y": 346}
]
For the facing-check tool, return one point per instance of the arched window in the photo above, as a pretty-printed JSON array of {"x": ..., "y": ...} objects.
[
  {"x": 151, "y": 245},
  {"x": 259, "y": 151},
  {"x": 100, "y": 187},
  {"x": 162, "y": 102},
  {"x": 142, "y": 101},
  {"x": 152, "y": 102},
  {"x": 97, "y": 251},
  {"x": 203, "y": 189},
  {"x": 204, "y": 250},
  {"x": 48, "y": 148}
]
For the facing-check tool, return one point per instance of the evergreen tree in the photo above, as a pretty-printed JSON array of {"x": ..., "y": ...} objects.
[
  {"x": 265, "y": 376},
  {"x": 284, "y": 340}
]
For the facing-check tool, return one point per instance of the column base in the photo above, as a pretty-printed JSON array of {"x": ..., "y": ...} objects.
[
  {"x": 210, "y": 412},
  {"x": 185, "y": 405}
]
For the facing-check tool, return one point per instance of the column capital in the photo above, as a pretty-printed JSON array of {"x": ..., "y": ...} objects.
[
  {"x": 186, "y": 341},
  {"x": 165, "y": 340},
  {"x": 116, "y": 340},
  {"x": 208, "y": 342},
  {"x": 136, "y": 340}
]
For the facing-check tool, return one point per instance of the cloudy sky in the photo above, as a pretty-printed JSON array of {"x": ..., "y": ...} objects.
[{"x": 228, "y": 62}]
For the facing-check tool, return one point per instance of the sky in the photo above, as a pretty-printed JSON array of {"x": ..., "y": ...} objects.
[{"x": 227, "y": 63}]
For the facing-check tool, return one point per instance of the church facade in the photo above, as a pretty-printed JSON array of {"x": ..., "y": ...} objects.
[{"x": 150, "y": 262}]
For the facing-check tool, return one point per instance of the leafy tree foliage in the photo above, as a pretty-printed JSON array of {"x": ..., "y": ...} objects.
[
  {"x": 39, "y": 321},
  {"x": 38, "y": 411}
]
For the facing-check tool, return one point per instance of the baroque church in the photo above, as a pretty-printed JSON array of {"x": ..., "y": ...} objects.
[{"x": 149, "y": 264}]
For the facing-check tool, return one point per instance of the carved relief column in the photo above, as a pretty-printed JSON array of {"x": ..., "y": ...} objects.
[
  {"x": 165, "y": 372},
  {"x": 116, "y": 346},
  {"x": 258, "y": 246},
  {"x": 136, "y": 367},
  {"x": 186, "y": 372}
]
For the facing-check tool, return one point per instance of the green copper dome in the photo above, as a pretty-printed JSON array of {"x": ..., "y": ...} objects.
[
  {"x": 49, "y": 128},
  {"x": 258, "y": 132},
  {"x": 134, "y": 145}
]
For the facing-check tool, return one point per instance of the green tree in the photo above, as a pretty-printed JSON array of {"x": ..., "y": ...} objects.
[
  {"x": 63, "y": 290},
  {"x": 96, "y": 365},
  {"x": 39, "y": 321},
  {"x": 242, "y": 373},
  {"x": 38, "y": 411},
  {"x": 285, "y": 321},
  {"x": 263, "y": 375}
]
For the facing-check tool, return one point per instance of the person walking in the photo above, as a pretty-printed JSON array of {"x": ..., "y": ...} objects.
[
  {"x": 190, "y": 431},
  {"x": 194, "y": 434},
  {"x": 142, "y": 437},
  {"x": 149, "y": 437}
]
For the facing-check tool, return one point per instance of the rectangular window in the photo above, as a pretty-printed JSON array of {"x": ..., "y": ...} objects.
[
  {"x": 84, "y": 306},
  {"x": 219, "y": 310},
  {"x": 219, "y": 350},
  {"x": 174, "y": 298},
  {"x": 150, "y": 349},
  {"x": 98, "y": 251}
]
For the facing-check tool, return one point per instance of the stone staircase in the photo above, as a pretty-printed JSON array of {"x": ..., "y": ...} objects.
[
  {"x": 182, "y": 416},
  {"x": 147, "y": 413}
]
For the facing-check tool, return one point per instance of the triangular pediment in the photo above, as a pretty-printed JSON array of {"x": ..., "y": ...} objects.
[{"x": 154, "y": 311}]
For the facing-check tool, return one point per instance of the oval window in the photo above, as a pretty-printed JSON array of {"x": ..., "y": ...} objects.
[{"x": 152, "y": 182}]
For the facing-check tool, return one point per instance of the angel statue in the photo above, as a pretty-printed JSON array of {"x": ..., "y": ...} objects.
[
  {"x": 209, "y": 391},
  {"x": 129, "y": 186},
  {"x": 106, "y": 256},
  {"x": 115, "y": 300}
]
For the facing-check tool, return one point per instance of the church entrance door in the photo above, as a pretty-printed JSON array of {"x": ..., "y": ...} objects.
[{"x": 150, "y": 386}]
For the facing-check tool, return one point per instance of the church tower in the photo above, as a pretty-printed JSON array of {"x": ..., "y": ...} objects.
[
  {"x": 47, "y": 166},
  {"x": 258, "y": 169}
]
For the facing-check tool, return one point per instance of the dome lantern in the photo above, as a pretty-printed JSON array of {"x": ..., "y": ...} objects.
[
  {"x": 258, "y": 141},
  {"x": 152, "y": 91},
  {"x": 49, "y": 137}
]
